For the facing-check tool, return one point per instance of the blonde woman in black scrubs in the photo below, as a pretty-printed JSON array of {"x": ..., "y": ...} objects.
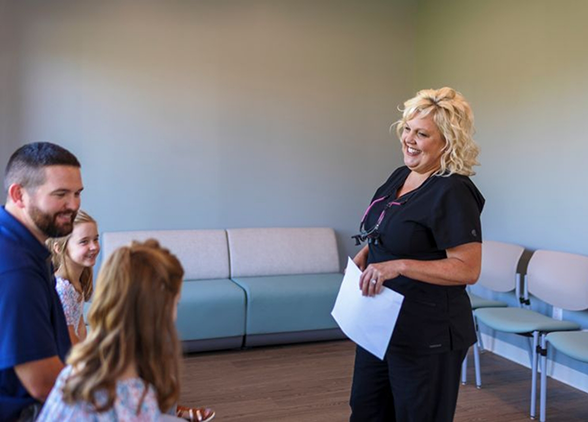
[{"x": 423, "y": 239}]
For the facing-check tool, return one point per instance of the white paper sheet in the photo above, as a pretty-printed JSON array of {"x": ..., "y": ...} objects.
[{"x": 368, "y": 321}]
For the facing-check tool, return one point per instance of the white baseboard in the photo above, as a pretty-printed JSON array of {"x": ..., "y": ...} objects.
[{"x": 555, "y": 370}]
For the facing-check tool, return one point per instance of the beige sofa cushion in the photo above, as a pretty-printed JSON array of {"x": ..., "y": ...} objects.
[
  {"x": 282, "y": 251},
  {"x": 203, "y": 253}
]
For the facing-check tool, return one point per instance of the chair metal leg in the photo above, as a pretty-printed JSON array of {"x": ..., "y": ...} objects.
[
  {"x": 543, "y": 391},
  {"x": 481, "y": 348},
  {"x": 530, "y": 350},
  {"x": 464, "y": 369},
  {"x": 534, "y": 374},
  {"x": 477, "y": 366},
  {"x": 479, "y": 336}
]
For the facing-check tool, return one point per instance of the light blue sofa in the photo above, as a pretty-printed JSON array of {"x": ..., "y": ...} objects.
[
  {"x": 211, "y": 312},
  {"x": 291, "y": 278},
  {"x": 250, "y": 287}
]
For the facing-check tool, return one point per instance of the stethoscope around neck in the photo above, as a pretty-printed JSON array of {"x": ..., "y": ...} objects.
[{"x": 373, "y": 235}]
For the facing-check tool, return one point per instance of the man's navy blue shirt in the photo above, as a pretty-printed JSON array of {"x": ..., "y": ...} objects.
[{"x": 32, "y": 323}]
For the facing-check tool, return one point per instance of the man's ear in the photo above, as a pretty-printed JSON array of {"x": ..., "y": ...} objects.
[{"x": 16, "y": 195}]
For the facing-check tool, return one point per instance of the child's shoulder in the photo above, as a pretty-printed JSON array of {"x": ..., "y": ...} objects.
[
  {"x": 135, "y": 392},
  {"x": 63, "y": 376},
  {"x": 62, "y": 282}
]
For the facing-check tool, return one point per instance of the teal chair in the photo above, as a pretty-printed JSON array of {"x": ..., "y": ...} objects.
[
  {"x": 574, "y": 344},
  {"x": 547, "y": 279},
  {"x": 499, "y": 274},
  {"x": 573, "y": 296}
]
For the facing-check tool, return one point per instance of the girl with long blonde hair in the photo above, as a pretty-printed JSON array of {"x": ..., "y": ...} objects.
[
  {"x": 74, "y": 257},
  {"x": 128, "y": 366}
]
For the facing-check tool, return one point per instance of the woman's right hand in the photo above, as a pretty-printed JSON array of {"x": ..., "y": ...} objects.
[{"x": 361, "y": 258}]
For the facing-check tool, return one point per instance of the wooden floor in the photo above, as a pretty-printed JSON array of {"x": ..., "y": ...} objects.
[{"x": 311, "y": 382}]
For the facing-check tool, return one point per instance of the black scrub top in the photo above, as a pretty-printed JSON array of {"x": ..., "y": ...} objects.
[{"x": 442, "y": 213}]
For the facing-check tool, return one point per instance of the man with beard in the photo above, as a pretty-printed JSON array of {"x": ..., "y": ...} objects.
[{"x": 43, "y": 185}]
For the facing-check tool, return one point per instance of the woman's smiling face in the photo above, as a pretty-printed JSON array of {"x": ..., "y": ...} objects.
[{"x": 422, "y": 144}]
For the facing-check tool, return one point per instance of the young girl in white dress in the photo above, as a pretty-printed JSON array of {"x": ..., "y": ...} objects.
[
  {"x": 127, "y": 369},
  {"x": 73, "y": 258}
]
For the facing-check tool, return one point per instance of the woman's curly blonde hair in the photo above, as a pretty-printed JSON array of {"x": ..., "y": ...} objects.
[{"x": 454, "y": 118}]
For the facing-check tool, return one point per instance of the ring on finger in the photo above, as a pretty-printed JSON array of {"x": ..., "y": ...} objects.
[{"x": 373, "y": 281}]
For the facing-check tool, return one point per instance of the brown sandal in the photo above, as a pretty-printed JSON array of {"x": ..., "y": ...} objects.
[{"x": 195, "y": 414}]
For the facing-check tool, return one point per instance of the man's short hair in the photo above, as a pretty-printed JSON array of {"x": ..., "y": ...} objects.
[{"x": 25, "y": 166}]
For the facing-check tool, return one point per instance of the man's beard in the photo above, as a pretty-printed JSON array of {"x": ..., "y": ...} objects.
[{"x": 47, "y": 223}]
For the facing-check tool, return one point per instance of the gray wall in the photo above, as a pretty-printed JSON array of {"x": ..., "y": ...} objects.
[
  {"x": 524, "y": 66},
  {"x": 199, "y": 114},
  {"x": 8, "y": 142}
]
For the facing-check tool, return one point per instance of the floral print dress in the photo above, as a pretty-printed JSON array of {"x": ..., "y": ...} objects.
[
  {"x": 72, "y": 302},
  {"x": 135, "y": 401}
]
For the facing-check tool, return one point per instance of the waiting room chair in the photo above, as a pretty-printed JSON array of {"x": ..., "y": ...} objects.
[
  {"x": 552, "y": 278},
  {"x": 572, "y": 270},
  {"x": 571, "y": 343},
  {"x": 499, "y": 274}
]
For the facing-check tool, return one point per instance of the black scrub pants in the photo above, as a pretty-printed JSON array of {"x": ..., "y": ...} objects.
[{"x": 405, "y": 387}]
